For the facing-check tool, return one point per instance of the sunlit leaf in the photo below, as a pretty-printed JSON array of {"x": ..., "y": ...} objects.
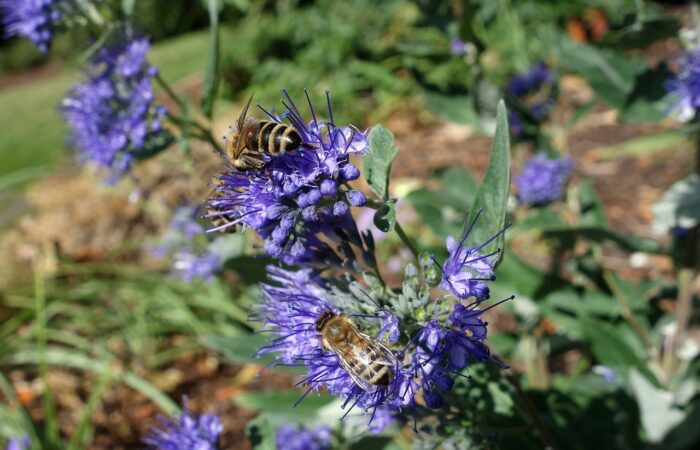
[
  {"x": 377, "y": 160},
  {"x": 659, "y": 415},
  {"x": 492, "y": 196}
]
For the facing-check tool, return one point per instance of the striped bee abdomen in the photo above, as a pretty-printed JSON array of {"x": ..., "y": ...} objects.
[
  {"x": 374, "y": 372},
  {"x": 277, "y": 138}
]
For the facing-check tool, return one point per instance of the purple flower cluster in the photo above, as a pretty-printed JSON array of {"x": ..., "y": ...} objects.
[
  {"x": 290, "y": 437},
  {"x": 684, "y": 88},
  {"x": 113, "y": 114},
  {"x": 186, "y": 242},
  {"x": 189, "y": 432},
  {"x": 531, "y": 94},
  {"x": 22, "y": 443},
  {"x": 300, "y": 195},
  {"x": 466, "y": 270},
  {"x": 447, "y": 338},
  {"x": 35, "y": 20},
  {"x": 543, "y": 180}
]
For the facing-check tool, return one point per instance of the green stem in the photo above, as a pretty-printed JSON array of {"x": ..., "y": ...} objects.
[
  {"x": 683, "y": 312},
  {"x": 532, "y": 412},
  {"x": 206, "y": 133},
  {"x": 91, "y": 13},
  {"x": 169, "y": 90},
  {"x": 406, "y": 240},
  {"x": 627, "y": 313},
  {"x": 50, "y": 425}
]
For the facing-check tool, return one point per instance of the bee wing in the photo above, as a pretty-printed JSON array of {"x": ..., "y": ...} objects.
[
  {"x": 241, "y": 118},
  {"x": 238, "y": 143},
  {"x": 352, "y": 371},
  {"x": 381, "y": 354}
]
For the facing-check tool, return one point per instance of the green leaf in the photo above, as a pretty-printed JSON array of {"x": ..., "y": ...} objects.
[
  {"x": 656, "y": 408},
  {"x": 610, "y": 74},
  {"x": 646, "y": 28},
  {"x": 385, "y": 217},
  {"x": 251, "y": 269},
  {"x": 282, "y": 402},
  {"x": 644, "y": 145},
  {"x": 211, "y": 79},
  {"x": 241, "y": 348},
  {"x": 128, "y": 7},
  {"x": 261, "y": 433},
  {"x": 377, "y": 161},
  {"x": 454, "y": 108},
  {"x": 458, "y": 187},
  {"x": 592, "y": 210},
  {"x": 538, "y": 219},
  {"x": 610, "y": 348},
  {"x": 104, "y": 37},
  {"x": 443, "y": 209},
  {"x": 679, "y": 206},
  {"x": 687, "y": 434},
  {"x": 155, "y": 143},
  {"x": 521, "y": 277},
  {"x": 372, "y": 443},
  {"x": 492, "y": 196},
  {"x": 567, "y": 236},
  {"x": 646, "y": 101}
]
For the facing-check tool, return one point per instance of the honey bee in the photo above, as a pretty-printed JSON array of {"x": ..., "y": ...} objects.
[
  {"x": 252, "y": 138},
  {"x": 365, "y": 359},
  {"x": 221, "y": 221}
]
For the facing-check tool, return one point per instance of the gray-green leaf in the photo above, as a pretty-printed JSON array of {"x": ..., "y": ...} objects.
[
  {"x": 385, "y": 217},
  {"x": 492, "y": 196},
  {"x": 679, "y": 206},
  {"x": 656, "y": 407},
  {"x": 377, "y": 161}
]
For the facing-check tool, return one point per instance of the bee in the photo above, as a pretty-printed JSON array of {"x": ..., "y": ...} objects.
[
  {"x": 365, "y": 359},
  {"x": 221, "y": 221},
  {"x": 252, "y": 138}
]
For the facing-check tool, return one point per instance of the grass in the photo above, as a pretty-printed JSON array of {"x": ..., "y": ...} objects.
[{"x": 34, "y": 134}]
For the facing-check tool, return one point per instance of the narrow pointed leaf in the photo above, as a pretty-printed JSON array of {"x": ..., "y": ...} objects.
[{"x": 492, "y": 196}]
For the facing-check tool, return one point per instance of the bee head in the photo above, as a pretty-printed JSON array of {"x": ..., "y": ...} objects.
[{"x": 323, "y": 319}]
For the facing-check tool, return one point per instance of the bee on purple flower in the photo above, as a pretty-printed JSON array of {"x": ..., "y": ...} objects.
[{"x": 293, "y": 198}]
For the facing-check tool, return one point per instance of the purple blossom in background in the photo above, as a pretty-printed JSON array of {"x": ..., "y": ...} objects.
[
  {"x": 533, "y": 92},
  {"x": 606, "y": 372},
  {"x": 188, "y": 245},
  {"x": 684, "y": 88},
  {"x": 189, "y": 266},
  {"x": 543, "y": 180},
  {"x": 189, "y": 432},
  {"x": 291, "y": 437},
  {"x": 458, "y": 47},
  {"x": 466, "y": 270},
  {"x": 300, "y": 195},
  {"x": 22, "y": 443},
  {"x": 35, "y": 20},
  {"x": 384, "y": 417},
  {"x": 113, "y": 114}
]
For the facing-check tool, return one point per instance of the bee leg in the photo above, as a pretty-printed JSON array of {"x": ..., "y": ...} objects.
[
  {"x": 267, "y": 173},
  {"x": 253, "y": 162}
]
